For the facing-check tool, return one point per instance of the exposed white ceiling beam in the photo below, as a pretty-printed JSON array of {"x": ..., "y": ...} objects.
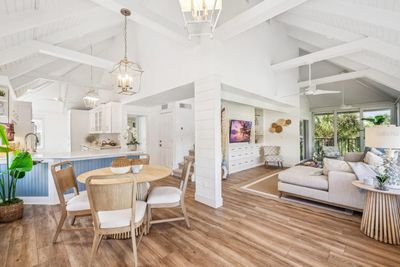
[
  {"x": 96, "y": 23},
  {"x": 359, "y": 12},
  {"x": 104, "y": 32},
  {"x": 147, "y": 18},
  {"x": 335, "y": 78},
  {"x": 71, "y": 55},
  {"x": 254, "y": 16},
  {"x": 373, "y": 74},
  {"x": 328, "y": 53},
  {"x": 19, "y": 22},
  {"x": 330, "y": 32},
  {"x": 366, "y": 59},
  {"x": 56, "y": 71},
  {"x": 81, "y": 83},
  {"x": 33, "y": 47}
]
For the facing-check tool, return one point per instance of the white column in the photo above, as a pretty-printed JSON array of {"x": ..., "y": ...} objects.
[{"x": 207, "y": 105}]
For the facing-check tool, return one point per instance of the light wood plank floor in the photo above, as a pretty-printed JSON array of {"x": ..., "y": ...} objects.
[{"x": 248, "y": 231}]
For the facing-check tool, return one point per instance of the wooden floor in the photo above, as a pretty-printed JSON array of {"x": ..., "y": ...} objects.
[{"x": 248, "y": 231}]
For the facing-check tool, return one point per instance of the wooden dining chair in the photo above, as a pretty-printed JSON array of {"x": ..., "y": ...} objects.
[
  {"x": 170, "y": 197},
  {"x": 77, "y": 206},
  {"x": 115, "y": 209}
]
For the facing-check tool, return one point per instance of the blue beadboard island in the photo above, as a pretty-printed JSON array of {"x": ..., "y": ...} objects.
[{"x": 38, "y": 186}]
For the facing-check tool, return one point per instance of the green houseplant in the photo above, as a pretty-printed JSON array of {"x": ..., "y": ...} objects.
[
  {"x": 377, "y": 120},
  {"x": 11, "y": 207}
]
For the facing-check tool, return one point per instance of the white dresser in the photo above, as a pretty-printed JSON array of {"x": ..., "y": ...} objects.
[{"x": 244, "y": 156}]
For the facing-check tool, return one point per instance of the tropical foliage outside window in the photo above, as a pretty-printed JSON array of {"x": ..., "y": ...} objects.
[{"x": 348, "y": 127}]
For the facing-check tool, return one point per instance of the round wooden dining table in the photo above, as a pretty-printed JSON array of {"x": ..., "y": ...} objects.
[{"x": 149, "y": 173}]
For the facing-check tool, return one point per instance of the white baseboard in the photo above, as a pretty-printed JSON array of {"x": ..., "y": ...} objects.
[{"x": 37, "y": 201}]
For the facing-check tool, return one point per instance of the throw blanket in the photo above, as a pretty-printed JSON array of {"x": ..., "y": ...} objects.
[{"x": 362, "y": 170}]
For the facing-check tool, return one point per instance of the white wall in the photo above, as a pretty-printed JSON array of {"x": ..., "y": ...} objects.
[
  {"x": 288, "y": 140},
  {"x": 242, "y": 62}
]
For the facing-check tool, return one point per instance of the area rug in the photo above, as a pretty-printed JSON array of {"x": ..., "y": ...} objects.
[
  {"x": 265, "y": 186},
  {"x": 268, "y": 187}
]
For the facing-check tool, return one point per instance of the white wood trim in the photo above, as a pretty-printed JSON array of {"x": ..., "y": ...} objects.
[{"x": 254, "y": 16}]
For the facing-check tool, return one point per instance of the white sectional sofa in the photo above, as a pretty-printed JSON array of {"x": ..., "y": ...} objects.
[{"x": 330, "y": 187}]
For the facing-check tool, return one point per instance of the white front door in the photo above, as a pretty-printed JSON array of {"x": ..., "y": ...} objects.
[{"x": 165, "y": 142}]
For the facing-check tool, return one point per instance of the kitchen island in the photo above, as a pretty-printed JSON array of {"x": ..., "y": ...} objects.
[{"x": 38, "y": 185}]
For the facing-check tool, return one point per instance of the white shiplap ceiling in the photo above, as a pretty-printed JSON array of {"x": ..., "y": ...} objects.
[{"x": 78, "y": 24}]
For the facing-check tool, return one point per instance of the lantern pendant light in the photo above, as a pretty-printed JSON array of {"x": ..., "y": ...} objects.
[
  {"x": 128, "y": 74},
  {"x": 92, "y": 97}
]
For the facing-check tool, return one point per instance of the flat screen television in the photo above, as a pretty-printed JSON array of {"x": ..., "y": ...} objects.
[{"x": 240, "y": 131}]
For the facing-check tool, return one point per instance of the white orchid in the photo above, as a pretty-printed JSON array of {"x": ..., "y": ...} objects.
[{"x": 130, "y": 135}]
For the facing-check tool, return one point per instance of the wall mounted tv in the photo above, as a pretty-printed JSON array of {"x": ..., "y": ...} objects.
[{"x": 240, "y": 131}]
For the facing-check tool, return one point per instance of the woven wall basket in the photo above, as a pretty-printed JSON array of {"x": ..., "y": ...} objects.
[{"x": 10, "y": 213}]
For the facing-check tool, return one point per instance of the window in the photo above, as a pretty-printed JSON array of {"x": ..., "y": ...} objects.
[
  {"x": 348, "y": 132},
  {"x": 340, "y": 129},
  {"x": 304, "y": 140},
  {"x": 38, "y": 130},
  {"x": 324, "y": 132}
]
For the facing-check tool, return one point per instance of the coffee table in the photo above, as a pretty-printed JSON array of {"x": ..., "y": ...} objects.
[{"x": 381, "y": 216}]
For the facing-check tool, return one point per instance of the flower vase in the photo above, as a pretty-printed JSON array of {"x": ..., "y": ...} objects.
[{"x": 132, "y": 147}]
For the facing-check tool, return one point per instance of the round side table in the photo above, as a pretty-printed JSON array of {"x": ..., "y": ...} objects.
[{"x": 381, "y": 216}]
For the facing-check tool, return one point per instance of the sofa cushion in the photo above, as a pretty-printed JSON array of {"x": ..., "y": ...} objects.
[
  {"x": 336, "y": 165},
  {"x": 304, "y": 176},
  {"x": 373, "y": 159}
]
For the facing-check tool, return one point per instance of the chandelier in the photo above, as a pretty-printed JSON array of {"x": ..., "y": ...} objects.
[
  {"x": 128, "y": 73},
  {"x": 92, "y": 97},
  {"x": 200, "y": 16}
]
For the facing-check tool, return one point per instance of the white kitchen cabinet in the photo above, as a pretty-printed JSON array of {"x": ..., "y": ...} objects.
[{"x": 106, "y": 118}]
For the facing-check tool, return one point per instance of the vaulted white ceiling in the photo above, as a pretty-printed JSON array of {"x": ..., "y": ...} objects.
[{"x": 43, "y": 41}]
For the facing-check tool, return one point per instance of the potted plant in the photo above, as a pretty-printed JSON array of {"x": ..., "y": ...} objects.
[
  {"x": 131, "y": 138},
  {"x": 11, "y": 207},
  {"x": 382, "y": 176}
]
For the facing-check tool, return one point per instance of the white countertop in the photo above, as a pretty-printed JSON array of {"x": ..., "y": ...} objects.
[{"x": 82, "y": 155}]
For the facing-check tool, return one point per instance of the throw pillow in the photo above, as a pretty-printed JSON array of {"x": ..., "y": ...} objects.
[
  {"x": 336, "y": 165},
  {"x": 362, "y": 170},
  {"x": 377, "y": 151},
  {"x": 373, "y": 160}
]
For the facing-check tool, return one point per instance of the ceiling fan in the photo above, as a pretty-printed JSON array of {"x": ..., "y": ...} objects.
[
  {"x": 311, "y": 89},
  {"x": 59, "y": 98},
  {"x": 343, "y": 105}
]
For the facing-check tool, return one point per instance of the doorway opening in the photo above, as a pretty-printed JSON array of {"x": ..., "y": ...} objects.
[{"x": 138, "y": 123}]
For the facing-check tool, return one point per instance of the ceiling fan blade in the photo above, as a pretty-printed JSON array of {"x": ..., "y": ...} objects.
[{"x": 326, "y": 92}]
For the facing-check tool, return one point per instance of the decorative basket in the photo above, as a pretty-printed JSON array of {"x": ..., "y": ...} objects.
[
  {"x": 12, "y": 212},
  {"x": 121, "y": 162}
]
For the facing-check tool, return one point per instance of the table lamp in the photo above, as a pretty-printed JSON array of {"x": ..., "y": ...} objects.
[{"x": 387, "y": 137}]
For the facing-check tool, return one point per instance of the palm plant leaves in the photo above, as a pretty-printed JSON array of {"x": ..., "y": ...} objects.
[
  {"x": 377, "y": 120},
  {"x": 22, "y": 162}
]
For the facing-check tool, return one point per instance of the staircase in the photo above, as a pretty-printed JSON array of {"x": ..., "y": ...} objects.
[{"x": 178, "y": 172}]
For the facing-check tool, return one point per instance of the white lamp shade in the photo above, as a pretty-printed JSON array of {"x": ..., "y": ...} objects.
[{"x": 383, "y": 136}]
